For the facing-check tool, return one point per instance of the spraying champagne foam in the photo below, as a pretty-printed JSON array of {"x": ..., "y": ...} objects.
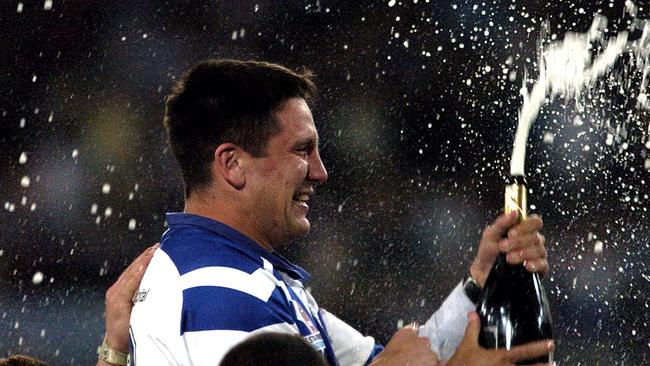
[{"x": 567, "y": 67}]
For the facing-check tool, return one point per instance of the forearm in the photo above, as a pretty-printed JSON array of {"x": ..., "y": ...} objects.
[{"x": 446, "y": 327}]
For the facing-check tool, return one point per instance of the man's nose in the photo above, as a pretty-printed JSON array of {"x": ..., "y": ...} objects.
[{"x": 317, "y": 171}]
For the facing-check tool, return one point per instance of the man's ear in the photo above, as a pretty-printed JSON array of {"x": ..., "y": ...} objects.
[{"x": 229, "y": 163}]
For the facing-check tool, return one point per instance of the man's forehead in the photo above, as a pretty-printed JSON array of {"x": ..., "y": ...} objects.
[
  {"x": 296, "y": 119},
  {"x": 295, "y": 107}
]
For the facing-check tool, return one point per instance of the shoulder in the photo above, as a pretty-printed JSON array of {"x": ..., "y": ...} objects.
[
  {"x": 159, "y": 295},
  {"x": 227, "y": 298},
  {"x": 217, "y": 285},
  {"x": 190, "y": 249}
]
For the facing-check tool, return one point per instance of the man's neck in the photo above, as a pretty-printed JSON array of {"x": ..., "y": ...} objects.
[{"x": 229, "y": 214}]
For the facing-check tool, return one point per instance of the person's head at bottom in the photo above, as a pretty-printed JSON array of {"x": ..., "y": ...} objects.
[
  {"x": 21, "y": 360},
  {"x": 273, "y": 349}
]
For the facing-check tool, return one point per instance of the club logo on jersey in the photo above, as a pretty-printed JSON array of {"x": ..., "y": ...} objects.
[
  {"x": 140, "y": 296},
  {"x": 313, "y": 335},
  {"x": 307, "y": 320}
]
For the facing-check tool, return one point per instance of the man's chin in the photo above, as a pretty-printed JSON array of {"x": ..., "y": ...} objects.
[
  {"x": 295, "y": 232},
  {"x": 301, "y": 228}
]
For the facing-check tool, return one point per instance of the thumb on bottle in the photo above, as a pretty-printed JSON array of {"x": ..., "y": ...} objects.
[{"x": 473, "y": 328}]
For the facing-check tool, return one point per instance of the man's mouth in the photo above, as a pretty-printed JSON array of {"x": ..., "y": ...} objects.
[{"x": 301, "y": 198}]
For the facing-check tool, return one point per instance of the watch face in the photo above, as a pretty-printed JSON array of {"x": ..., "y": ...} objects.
[{"x": 472, "y": 290}]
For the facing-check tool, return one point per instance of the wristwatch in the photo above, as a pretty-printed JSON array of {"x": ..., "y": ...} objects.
[
  {"x": 472, "y": 289},
  {"x": 112, "y": 356}
]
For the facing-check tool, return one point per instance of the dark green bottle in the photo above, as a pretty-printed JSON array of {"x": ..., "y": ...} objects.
[{"x": 514, "y": 308}]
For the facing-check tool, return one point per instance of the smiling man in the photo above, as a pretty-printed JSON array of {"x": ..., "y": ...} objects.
[{"x": 245, "y": 139}]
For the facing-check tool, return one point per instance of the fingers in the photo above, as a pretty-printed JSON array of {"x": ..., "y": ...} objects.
[
  {"x": 407, "y": 348},
  {"x": 524, "y": 242},
  {"x": 527, "y": 248},
  {"x": 531, "y": 224},
  {"x": 526, "y": 245},
  {"x": 518, "y": 241},
  {"x": 529, "y": 351},
  {"x": 134, "y": 273},
  {"x": 409, "y": 336},
  {"x": 473, "y": 329},
  {"x": 405, "y": 334},
  {"x": 424, "y": 342},
  {"x": 500, "y": 226},
  {"x": 537, "y": 265},
  {"x": 130, "y": 279},
  {"x": 141, "y": 260},
  {"x": 410, "y": 333}
]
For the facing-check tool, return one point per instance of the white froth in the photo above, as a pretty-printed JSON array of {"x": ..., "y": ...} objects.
[
  {"x": 38, "y": 278},
  {"x": 566, "y": 68},
  {"x": 630, "y": 8},
  {"x": 25, "y": 181},
  {"x": 549, "y": 137}
]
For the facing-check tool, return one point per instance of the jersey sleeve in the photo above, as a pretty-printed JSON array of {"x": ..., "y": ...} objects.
[
  {"x": 351, "y": 348},
  {"x": 446, "y": 327}
]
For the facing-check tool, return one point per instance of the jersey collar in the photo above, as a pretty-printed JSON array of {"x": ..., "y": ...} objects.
[{"x": 243, "y": 242}]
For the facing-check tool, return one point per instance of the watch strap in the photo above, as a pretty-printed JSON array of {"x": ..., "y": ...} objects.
[
  {"x": 112, "y": 356},
  {"x": 472, "y": 289}
]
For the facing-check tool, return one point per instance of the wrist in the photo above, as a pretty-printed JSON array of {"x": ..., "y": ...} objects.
[
  {"x": 478, "y": 274},
  {"x": 108, "y": 354},
  {"x": 120, "y": 344}
]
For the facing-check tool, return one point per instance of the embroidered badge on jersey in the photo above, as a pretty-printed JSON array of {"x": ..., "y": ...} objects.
[{"x": 314, "y": 337}]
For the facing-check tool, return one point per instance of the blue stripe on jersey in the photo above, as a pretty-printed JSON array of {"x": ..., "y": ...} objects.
[
  {"x": 220, "y": 308},
  {"x": 190, "y": 249},
  {"x": 375, "y": 352},
  {"x": 194, "y": 242}
]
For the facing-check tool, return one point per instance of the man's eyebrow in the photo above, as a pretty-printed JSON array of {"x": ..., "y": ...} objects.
[{"x": 305, "y": 141}]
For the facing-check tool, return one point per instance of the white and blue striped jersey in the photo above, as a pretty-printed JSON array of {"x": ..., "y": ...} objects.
[{"x": 210, "y": 287}]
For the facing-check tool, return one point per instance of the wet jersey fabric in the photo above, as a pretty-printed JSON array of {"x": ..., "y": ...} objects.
[{"x": 209, "y": 287}]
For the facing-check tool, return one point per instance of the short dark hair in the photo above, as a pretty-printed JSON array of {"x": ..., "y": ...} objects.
[
  {"x": 21, "y": 360},
  {"x": 273, "y": 349},
  {"x": 234, "y": 101}
]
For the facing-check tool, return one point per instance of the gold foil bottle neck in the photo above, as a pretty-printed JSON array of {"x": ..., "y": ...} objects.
[{"x": 516, "y": 199}]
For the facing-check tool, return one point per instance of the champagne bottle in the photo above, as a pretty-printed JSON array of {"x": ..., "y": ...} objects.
[{"x": 514, "y": 309}]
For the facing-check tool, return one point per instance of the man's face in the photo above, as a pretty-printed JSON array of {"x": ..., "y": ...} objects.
[{"x": 283, "y": 180}]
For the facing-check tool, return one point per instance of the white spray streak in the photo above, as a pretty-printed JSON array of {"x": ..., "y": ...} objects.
[
  {"x": 642, "y": 52},
  {"x": 566, "y": 68},
  {"x": 608, "y": 57}
]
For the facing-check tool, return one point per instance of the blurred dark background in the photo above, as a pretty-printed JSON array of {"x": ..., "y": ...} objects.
[{"x": 417, "y": 113}]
